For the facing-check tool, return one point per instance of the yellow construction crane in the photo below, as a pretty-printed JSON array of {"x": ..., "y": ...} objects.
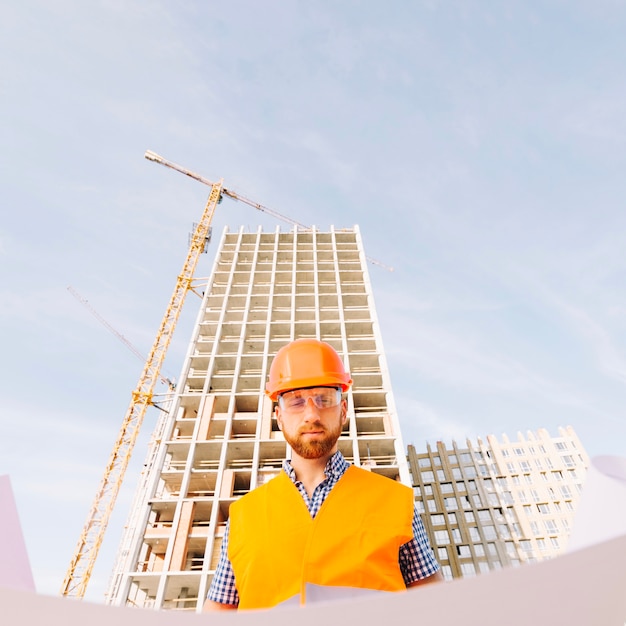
[
  {"x": 83, "y": 561},
  {"x": 92, "y": 535}
]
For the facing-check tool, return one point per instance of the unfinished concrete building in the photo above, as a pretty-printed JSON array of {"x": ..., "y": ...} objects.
[{"x": 220, "y": 439}]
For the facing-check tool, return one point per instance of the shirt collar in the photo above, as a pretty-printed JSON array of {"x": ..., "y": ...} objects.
[{"x": 335, "y": 467}]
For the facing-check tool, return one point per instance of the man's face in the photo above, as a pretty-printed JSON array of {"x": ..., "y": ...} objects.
[{"x": 312, "y": 420}]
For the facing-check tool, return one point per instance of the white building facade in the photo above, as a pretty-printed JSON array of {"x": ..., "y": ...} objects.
[{"x": 490, "y": 504}]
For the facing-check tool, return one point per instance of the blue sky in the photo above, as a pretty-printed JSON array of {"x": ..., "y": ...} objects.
[{"x": 479, "y": 146}]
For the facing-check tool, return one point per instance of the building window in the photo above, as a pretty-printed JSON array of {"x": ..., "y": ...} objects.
[
  {"x": 432, "y": 506},
  {"x": 428, "y": 477},
  {"x": 424, "y": 462},
  {"x": 442, "y": 537},
  {"x": 456, "y": 473},
  {"x": 452, "y": 459},
  {"x": 505, "y": 452},
  {"x": 446, "y": 488},
  {"x": 544, "y": 509},
  {"x": 469, "y": 516},
  {"x": 466, "y": 458},
  {"x": 484, "y": 515},
  {"x": 470, "y": 472},
  {"x": 490, "y": 532},
  {"x": 468, "y": 569},
  {"x": 446, "y": 570},
  {"x": 493, "y": 499},
  {"x": 451, "y": 518},
  {"x": 451, "y": 504},
  {"x": 456, "y": 535},
  {"x": 428, "y": 490},
  {"x": 442, "y": 554},
  {"x": 479, "y": 549},
  {"x": 561, "y": 445},
  {"x": 474, "y": 534},
  {"x": 551, "y": 527},
  {"x": 437, "y": 520},
  {"x": 526, "y": 545},
  {"x": 441, "y": 475},
  {"x": 464, "y": 551},
  {"x": 524, "y": 466},
  {"x": 519, "y": 451}
]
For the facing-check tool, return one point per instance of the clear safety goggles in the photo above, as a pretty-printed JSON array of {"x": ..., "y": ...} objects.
[{"x": 322, "y": 397}]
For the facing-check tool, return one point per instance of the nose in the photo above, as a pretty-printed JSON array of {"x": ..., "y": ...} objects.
[{"x": 311, "y": 412}]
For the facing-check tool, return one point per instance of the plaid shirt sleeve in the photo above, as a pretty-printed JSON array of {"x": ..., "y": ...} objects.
[
  {"x": 223, "y": 589},
  {"x": 416, "y": 557}
]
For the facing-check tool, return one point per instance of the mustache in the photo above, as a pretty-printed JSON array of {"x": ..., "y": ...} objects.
[{"x": 313, "y": 428}]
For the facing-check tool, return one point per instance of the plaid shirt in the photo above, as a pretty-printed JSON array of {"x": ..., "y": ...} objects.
[{"x": 416, "y": 558}]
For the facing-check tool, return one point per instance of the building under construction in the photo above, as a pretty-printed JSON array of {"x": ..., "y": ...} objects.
[
  {"x": 220, "y": 439},
  {"x": 490, "y": 504}
]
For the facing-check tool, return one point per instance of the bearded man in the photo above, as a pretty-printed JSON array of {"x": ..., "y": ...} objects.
[{"x": 323, "y": 528}]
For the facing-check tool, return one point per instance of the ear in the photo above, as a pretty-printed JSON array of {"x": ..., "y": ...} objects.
[
  {"x": 344, "y": 411},
  {"x": 278, "y": 418}
]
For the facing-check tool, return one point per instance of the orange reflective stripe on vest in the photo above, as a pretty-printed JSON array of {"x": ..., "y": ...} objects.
[{"x": 275, "y": 547}]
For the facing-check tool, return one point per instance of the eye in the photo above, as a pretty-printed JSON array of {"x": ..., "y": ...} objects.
[{"x": 295, "y": 403}]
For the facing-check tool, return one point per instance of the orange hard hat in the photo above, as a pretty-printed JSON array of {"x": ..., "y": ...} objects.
[{"x": 306, "y": 363}]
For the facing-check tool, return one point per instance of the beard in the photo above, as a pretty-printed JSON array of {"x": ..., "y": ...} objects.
[{"x": 308, "y": 448}]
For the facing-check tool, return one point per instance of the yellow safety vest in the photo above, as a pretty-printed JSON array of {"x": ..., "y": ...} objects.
[{"x": 276, "y": 548}]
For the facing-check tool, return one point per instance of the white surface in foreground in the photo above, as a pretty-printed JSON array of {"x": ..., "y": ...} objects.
[
  {"x": 582, "y": 588},
  {"x": 601, "y": 512},
  {"x": 15, "y": 569}
]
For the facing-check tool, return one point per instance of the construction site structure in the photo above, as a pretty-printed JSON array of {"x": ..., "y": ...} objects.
[
  {"x": 220, "y": 439},
  {"x": 91, "y": 537},
  {"x": 490, "y": 504}
]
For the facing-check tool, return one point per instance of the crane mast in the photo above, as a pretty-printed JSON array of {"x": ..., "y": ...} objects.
[{"x": 92, "y": 535}]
